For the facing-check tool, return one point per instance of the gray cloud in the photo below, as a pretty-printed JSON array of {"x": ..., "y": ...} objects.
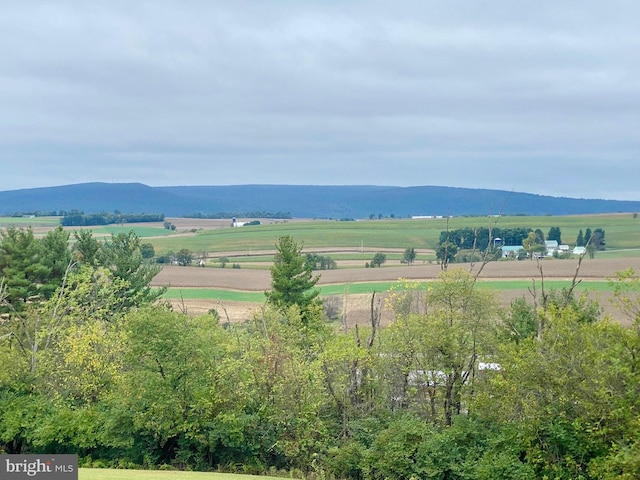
[{"x": 507, "y": 95}]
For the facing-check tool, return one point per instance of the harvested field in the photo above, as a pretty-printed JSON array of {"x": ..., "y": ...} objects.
[{"x": 357, "y": 307}]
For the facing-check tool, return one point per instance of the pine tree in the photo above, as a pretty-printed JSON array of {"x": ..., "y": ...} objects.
[{"x": 292, "y": 280}]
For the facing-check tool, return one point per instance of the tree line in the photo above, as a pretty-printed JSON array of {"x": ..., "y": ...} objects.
[
  {"x": 78, "y": 219},
  {"x": 456, "y": 387},
  {"x": 255, "y": 214}
]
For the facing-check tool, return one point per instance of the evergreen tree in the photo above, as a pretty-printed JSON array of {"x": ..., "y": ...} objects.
[
  {"x": 85, "y": 247},
  {"x": 554, "y": 234},
  {"x": 122, "y": 255},
  {"x": 32, "y": 268},
  {"x": 580, "y": 239},
  {"x": 597, "y": 239},
  {"x": 292, "y": 280}
]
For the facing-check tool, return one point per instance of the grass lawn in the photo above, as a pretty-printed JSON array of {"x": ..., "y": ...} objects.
[{"x": 112, "y": 474}]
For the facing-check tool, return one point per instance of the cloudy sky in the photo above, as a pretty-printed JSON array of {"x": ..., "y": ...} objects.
[{"x": 537, "y": 97}]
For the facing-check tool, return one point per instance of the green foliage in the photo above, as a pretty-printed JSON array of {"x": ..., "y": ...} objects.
[
  {"x": 292, "y": 280},
  {"x": 409, "y": 255},
  {"x": 121, "y": 254},
  {"x": 136, "y": 385},
  {"x": 533, "y": 246},
  {"x": 85, "y": 247},
  {"x": 433, "y": 356},
  {"x": 597, "y": 239},
  {"x": 446, "y": 253},
  {"x": 377, "y": 260},
  {"x": 555, "y": 234},
  {"x": 467, "y": 256},
  {"x": 520, "y": 322},
  {"x": 626, "y": 294},
  {"x": 394, "y": 453},
  {"x": 85, "y": 220},
  {"x": 147, "y": 251},
  {"x": 32, "y": 268},
  {"x": 184, "y": 257},
  {"x": 567, "y": 393},
  {"x": 320, "y": 262},
  {"x": 479, "y": 238}
]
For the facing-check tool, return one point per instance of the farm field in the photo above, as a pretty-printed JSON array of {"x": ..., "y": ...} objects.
[
  {"x": 622, "y": 232},
  {"x": 235, "y": 293}
]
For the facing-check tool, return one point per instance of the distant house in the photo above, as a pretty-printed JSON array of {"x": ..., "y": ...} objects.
[
  {"x": 552, "y": 246},
  {"x": 579, "y": 250},
  {"x": 511, "y": 251}
]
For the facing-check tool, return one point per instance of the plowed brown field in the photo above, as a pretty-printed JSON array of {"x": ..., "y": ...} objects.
[{"x": 358, "y": 306}]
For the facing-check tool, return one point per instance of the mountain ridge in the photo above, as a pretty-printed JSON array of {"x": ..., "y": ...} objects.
[{"x": 300, "y": 201}]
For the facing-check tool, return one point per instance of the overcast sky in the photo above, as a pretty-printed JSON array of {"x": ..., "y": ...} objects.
[{"x": 537, "y": 97}]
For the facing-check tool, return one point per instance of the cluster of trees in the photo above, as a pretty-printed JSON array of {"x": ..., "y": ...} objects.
[
  {"x": 48, "y": 213},
  {"x": 594, "y": 239},
  {"x": 39, "y": 213},
  {"x": 258, "y": 214},
  {"x": 34, "y": 269},
  {"x": 320, "y": 262},
  {"x": 378, "y": 259},
  {"x": 409, "y": 255},
  {"x": 455, "y": 387},
  {"x": 480, "y": 238},
  {"x": 183, "y": 257},
  {"x": 78, "y": 219},
  {"x": 472, "y": 244}
]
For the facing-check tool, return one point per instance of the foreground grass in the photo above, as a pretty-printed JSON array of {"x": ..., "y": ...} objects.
[{"x": 112, "y": 474}]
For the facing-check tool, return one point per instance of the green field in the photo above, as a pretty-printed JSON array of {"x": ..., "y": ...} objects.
[
  {"x": 369, "y": 287},
  {"x": 622, "y": 232},
  {"x": 141, "y": 231},
  {"x": 29, "y": 222},
  {"x": 112, "y": 474}
]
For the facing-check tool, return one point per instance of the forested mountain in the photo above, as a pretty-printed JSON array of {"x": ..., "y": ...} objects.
[{"x": 301, "y": 201}]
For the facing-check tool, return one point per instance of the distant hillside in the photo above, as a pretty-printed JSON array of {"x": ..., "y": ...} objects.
[{"x": 301, "y": 201}]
